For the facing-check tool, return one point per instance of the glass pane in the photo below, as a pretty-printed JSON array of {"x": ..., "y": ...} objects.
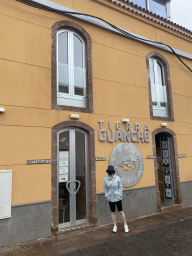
[
  {"x": 79, "y": 71},
  {"x": 64, "y": 141},
  {"x": 64, "y": 204},
  {"x": 63, "y": 67},
  {"x": 79, "y": 81},
  {"x": 63, "y": 78},
  {"x": 63, "y": 165},
  {"x": 159, "y": 74},
  {"x": 154, "y": 95},
  {"x": 163, "y": 96},
  {"x": 158, "y": 7},
  {"x": 151, "y": 70},
  {"x": 63, "y": 48},
  {"x": 80, "y": 175},
  {"x": 140, "y": 3},
  {"x": 78, "y": 52}
]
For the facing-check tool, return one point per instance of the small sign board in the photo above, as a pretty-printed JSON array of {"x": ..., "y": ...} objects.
[
  {"x": 100, "y": 158},
  {"x": 168, "y": 193},
  {"x": 180, "y": 156},
  {"x": 42, "y": 161},
  {"x": 150, "y": 157}
]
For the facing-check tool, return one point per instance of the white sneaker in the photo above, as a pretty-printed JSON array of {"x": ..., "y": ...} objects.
[
  {"x": 126, "y": 228},
  {"x": 115, "y": 229}
]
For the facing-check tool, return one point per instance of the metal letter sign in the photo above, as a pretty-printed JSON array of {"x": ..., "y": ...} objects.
[{"x": 128, "y": 163}]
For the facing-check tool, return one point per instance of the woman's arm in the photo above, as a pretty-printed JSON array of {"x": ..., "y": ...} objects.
[
  {"x": 105, "y": 187},
  {"x": 120, "y": 186}
]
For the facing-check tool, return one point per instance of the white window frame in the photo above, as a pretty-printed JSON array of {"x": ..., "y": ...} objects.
[
  {"x": 70, "y": 99},
  {"x": 167, "y": 6},
  {"x": 157, "y": 89}
]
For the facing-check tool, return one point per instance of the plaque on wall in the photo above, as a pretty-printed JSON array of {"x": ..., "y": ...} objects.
[
  {"x": 168, "y": 192},
  {"x": 165, "y": 153},
  {"x": 167, "y": 179},
  {"x": 128, "y": 163},
  {"x": 164, "y": 144}
]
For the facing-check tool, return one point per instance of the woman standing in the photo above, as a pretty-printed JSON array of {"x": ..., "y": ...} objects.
[{"x": 113, "y": 190}]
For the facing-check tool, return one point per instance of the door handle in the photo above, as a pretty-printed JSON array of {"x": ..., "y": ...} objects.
[
  {"x": 75, "y": 192},
  {"x": 67, "y": 187},
  {"x": 79, "y": 184}
]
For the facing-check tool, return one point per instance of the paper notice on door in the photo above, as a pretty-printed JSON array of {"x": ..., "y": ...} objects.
[
  {"x": 64, "y": 154},
  {"x": 167, "y": 179},
  {"x": 165, "y": 161},
  {"x": 63, "y": 170},
  {"x": 168, "y": 193},
  {"x": 164, "y": 144},
  {"x": 165, "y": 153},
  {"x": 63, "y": 162},
  {"x": 63, "y": 178}
]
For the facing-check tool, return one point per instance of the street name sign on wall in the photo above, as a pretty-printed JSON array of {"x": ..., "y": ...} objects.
[
  {"x": 42, "y": 161},
  {"x": 100, "y": 158}
]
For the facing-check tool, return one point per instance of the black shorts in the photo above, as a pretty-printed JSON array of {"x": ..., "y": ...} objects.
[{"x": 118, "y": 204}]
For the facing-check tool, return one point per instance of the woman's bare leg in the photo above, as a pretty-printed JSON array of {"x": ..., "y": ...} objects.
[
  {"x": 113, "y": 216},
  {"x": 122, "y": 214}
]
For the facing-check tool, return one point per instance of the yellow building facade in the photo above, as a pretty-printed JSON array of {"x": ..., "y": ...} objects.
[{"x": 78, "y": 95}]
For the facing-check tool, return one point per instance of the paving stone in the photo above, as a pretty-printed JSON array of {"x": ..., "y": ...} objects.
[{"x": 162, "y": 234}]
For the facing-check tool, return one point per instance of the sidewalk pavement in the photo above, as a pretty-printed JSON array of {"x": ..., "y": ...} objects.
[{"x": 166, "y": 233}]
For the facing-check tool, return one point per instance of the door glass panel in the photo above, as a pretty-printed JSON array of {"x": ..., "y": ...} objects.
[
  {"x": 80, "y": 175},
  {"x": 63, "y": 67},
  {"x": 63, "y": 165},
  {"x": 166, "y": 168}
]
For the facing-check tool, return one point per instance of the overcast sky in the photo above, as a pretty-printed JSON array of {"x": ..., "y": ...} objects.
[{"x": 181, "y": 13}]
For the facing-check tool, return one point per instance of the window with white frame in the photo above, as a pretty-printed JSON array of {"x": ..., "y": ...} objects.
[
  {"x": 71, "y": 69},
  {"x": 158, "y": 88},
  {"x": 160, "y": 7}
]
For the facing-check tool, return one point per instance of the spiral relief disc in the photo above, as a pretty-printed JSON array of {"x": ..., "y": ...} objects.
[{"x": 128, "y": 163}]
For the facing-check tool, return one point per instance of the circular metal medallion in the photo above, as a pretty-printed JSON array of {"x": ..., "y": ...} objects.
[{"x": 128, "y": 163}]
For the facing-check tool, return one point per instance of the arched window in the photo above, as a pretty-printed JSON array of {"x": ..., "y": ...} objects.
[
  {"x": 158, "y": 88},
  {"x": 160, "y": 96},
  {"x": 71, "y": 69}
]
